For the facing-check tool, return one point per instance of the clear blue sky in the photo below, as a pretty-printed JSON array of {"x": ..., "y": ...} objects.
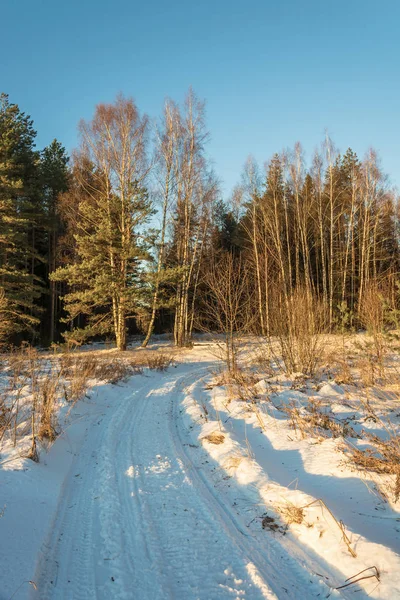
[{"x": 272, "y": 72}]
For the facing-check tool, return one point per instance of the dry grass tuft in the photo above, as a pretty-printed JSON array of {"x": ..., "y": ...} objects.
[
  {"x": 48, "y": 393},
  {"x": 291, "y": 513},
  {"x": 240, "y": 377},
  {"x": 115, "y": 371},
  {"x": 316, "y": 422},
  {"x": 160, "y": 361},
  {"x": 342, "y": 372},
  {"x": 368, "y": 369},
  {"x": 340, "y": 524},
  {"x": 214, "y": 438},
  {"x": 5, "y": 417},
  {"x": 233, "y": 462}
]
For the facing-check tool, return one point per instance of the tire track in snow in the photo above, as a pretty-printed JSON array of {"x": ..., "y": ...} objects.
[
  {"x": 195, "y": 556},
  {"x": 275, "y": 571},
  {"x": 86, "y": 535},
  {"x": 60, "y": 552},
  {"x": 146, "y": 582},
  {"x": 141, "y": 522}
]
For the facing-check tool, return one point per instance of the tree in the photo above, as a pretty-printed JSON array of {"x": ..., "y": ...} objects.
[
  {"x": 226, "y": 305},
  {"x": 19, "y": 286},
  {"x": 195, "y": 190},
  {"x": 105, "y": 277},
  {"x": 251, "y": 225},
  {"x": 226, "y": 234},
  {"x": 167, "y": 148},
  {"x": 54, "y": 177}
]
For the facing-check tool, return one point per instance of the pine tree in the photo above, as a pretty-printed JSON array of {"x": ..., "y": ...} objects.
[
  {"x": 105, "y": 278},
  {"x": 54, "y": 179},
  {"x": 19, "y": 286}
]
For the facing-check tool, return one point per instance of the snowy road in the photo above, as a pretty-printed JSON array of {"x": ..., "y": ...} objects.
[{"x": 139, "y": 518}]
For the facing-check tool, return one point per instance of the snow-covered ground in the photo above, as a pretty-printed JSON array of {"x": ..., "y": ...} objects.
[{"x": 171, "y": 486}]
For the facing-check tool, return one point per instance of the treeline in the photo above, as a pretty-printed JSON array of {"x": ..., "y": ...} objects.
[
  {"x": 331, "y": 229},
  {"x": 123, "y": 237},
  {"x": 31, "y": 183}
]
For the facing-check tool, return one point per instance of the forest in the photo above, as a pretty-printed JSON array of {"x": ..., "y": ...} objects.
[
  {"x": 131, "y": 235},
  {"x": 199, "y": 392}
]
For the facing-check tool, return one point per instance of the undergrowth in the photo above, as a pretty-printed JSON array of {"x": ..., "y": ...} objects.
[{"x": 33, "y": 385}]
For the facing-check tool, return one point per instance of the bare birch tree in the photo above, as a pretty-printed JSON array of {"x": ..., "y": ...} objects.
[
  {"x": 192, "y": 194},
  {"x": 167, "y": 148}
]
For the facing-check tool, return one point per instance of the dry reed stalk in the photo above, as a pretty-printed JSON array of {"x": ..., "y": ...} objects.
[{"x": 340, "y": 524}]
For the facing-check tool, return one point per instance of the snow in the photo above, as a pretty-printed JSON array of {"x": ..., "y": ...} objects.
[{"x": 133, "y": 500}]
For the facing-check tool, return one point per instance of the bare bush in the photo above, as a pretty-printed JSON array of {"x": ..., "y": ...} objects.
[
  {"x": 160, "y": 361},
  {"x": 227, "y": 308},
  {"x": 372, "y": 314},
  {"x": 297, "y": 323}
]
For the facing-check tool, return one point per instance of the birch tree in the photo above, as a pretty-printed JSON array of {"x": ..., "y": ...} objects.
[
  {"x": 194, "y": 191},
  {"x": 104, "y": 280},
  {"x": 167, "y": 138}
]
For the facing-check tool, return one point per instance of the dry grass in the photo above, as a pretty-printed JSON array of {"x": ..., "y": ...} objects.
[
  {"x": 214, "y": 438},
  {"x": 291, "y": 513},
  {"x": 48, "y": 391},
  {"x": 371, "y": 573},
  {"x": 381, "y": 456},
  {"x": 296, "y": 514},
  {"x": 34, "y": 383},
  {"x": 240, "y": 385},
  {"x": 6, "y": 416},
  {"x": 115, "y": 371},
  {"x": 233, "y": 462},
  {"x": 373, "y": 315},
  {"x": 263, "y": 358},
  {"x": 160, "y": 361},
  {"x": 368, "y": 369},
  {"x": 372, "y": 372},
  {"x": 315, "y": 422},
  {"x": 343, "y": 374},
  {"x": 112, "y": 368},
  {"x": 240, "y": 377}
]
